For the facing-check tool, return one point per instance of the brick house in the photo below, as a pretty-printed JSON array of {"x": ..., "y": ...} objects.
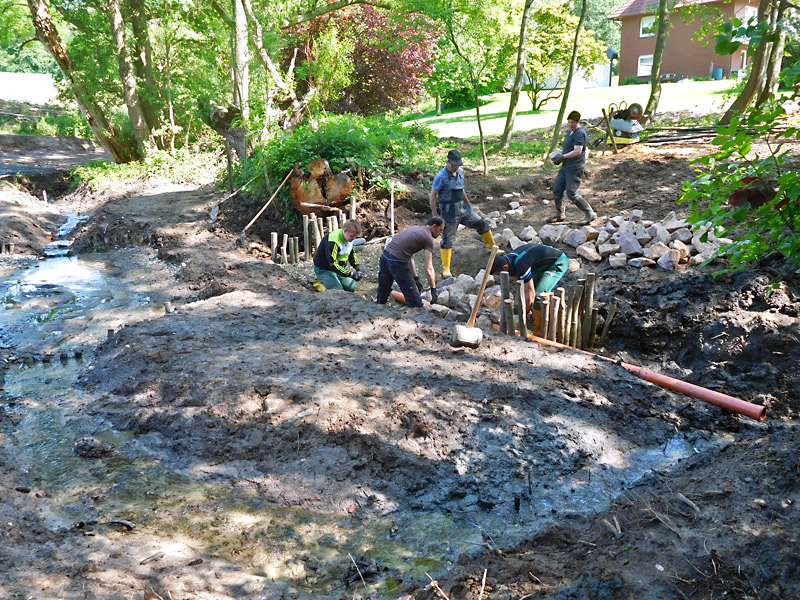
[{"x": 683, "y": 57}]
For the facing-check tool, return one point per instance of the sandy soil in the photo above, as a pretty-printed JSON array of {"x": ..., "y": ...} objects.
[{"x": 330, "y": 403}]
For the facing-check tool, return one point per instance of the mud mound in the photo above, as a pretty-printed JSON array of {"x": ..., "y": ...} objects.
[{"x": 734, "y": 333}]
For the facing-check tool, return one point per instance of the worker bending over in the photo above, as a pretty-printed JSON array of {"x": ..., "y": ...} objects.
[
  {"x": 449, "y": 200},
  {"x": 397, "y": 262},
  {"x": 335, "y": 261},
  {"x": 540, "y": 267}
]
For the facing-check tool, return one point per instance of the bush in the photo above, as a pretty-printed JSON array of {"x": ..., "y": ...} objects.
[
  {"x": 182, "y": 166},
  {"x": 631, "y": 81},
  {"x": 377, "y": 144},
  {"x": 745, "y": 191}
]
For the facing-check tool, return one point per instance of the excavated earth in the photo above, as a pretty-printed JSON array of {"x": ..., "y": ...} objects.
[{"x": 512, "y": 462}]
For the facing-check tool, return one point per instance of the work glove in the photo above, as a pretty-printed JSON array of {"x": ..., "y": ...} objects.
[
  {"x": 557, "y": 158},
  {"x": 434, "y": 296},
  {"x": 419, "y": 283},
  {"x": 357, "y": 275}
]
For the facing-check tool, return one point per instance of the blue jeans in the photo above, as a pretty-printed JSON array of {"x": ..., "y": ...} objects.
[
  {"x": 455, "y": 214},
  {"x": 393, "y": 269}
]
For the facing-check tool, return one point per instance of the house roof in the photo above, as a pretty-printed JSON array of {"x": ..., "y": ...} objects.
[{"x": 630, "y": 8}]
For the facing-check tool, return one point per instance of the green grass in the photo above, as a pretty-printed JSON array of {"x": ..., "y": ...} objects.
[{"x": 701, "y": 98}]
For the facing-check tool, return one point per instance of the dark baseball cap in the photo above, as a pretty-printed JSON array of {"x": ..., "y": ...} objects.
[{"x": 454, "y": 158}]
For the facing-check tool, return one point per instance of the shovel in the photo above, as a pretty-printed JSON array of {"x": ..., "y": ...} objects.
[{"x": 469, "y": 335}]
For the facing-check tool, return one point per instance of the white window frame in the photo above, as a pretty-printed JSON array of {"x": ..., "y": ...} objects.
[
  {"x": 648, "y": 22},
  {"x": 750, "y": 12},
  {"x": 645, "y": 70}
]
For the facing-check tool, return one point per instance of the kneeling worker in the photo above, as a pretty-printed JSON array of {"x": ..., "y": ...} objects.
[
  {"x": 540, "y": 267},
  {"x": 335, "y": 257},
  {"x": 397, "y": 262}
]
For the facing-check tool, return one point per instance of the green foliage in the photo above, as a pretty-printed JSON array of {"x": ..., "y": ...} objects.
[
  {"x": 187, "y": 165},
  {"x": 377, "y": 144},
  {"x": 751, "y": 152},
  {"x": 18, "y": 53},
  {"x": 631, "y": 81},
  {"x": 42, "y": 120}
]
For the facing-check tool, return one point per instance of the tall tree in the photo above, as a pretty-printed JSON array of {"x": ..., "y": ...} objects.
[
  {"x": 662, "y": 31},
  {"x": 519, "y": 75},
  {"x": 568, "y": 84},
  {"x": 94, "y": 114},
  {"x": 761, "y": 36},
  {"x": 144, "y": 139}
]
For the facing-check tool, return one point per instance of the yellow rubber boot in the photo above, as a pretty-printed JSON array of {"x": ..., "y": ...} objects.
[
  {"x": 318, "y": 285},
  {"x": 447, "y": 255},
  {"x": 537, "y": 321},
  {"x": 488, "y": 239}
]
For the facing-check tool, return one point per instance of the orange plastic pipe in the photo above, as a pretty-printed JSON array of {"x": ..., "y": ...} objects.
[{"x": 737, "y": 405}]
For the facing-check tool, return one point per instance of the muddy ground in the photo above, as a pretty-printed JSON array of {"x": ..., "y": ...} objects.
[{"x": 331, "y": 404}]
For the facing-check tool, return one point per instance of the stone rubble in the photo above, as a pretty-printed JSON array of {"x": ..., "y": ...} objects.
[{"x": 624, "y": 241}]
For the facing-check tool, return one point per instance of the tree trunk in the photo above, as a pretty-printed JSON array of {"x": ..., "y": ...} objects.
[
  {"x": 776, "y": 57},
  {"x": 480, "y": 126},
  {"x": 658, "y": 57},
  {"x": 519, "y": 76},
  {"x": 438, "y": 104},
  {"x": 47, "y": 33},
  {"x": 758, "y": 70},
  {"x": 573, "y": 63},
  {"x": 143, "y": 64},
  {"x": 241, "y": 60},
  {"x": 140, "y": 129}
]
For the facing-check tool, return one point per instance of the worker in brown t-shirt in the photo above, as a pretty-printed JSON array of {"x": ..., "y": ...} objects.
[{"x": 397, "y": 262}]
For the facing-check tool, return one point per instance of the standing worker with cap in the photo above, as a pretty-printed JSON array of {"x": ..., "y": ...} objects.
[
  {"x": 397, "y": 262},
  {"x": 570, "y": 175},
  {"x": 449, "y": 200},
  {"x": 540, "y": 267},
  {"x": 335, "y": 257}
]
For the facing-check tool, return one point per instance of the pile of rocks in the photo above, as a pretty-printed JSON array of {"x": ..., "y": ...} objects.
[
  {"x": 457, "y": 297},
  {"x": 629, "y": 240}
]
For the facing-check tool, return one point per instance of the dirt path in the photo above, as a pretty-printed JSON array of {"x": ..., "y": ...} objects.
[{"x": 320, "y": 415}]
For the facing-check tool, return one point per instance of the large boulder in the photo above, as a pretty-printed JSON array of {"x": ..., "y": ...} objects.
[
  {"x": 589, "y": 252},
  {"x": 670, "y": 260},
  {"x": 629, "y": 244}
]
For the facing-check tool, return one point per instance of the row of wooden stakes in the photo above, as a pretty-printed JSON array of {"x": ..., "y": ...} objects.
[
  {"x": 314, "y": 229},
  {"x": 567, "y": 316}
]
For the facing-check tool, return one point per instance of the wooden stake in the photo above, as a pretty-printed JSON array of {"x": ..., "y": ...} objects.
[
  {"x": 593, "y": 327},
  {"x": 523, "y": 315},
  {"x": 352, "y": 207},
  {"x": 273, "y": 246},
  {"x": 296, "y": 249},
  {"x": 555, "y": 302},
  {"x": 334, "y": 223},
  {"x": 612, "y": 310},
  {"x": 391, "y": 209},
  {"x": 576, "y": 315},
  {"x": 508, "y": 311},
  {"x": 505, "y": 284},
  {"x": 587, "y": 310},
  {"x": 562, "y": 296},
  {"x": 283, "y": 248},
  {"x": 306, "y": 239},
  {"x": 570, "y": 308},
  {"x": 545, "y": 316}
]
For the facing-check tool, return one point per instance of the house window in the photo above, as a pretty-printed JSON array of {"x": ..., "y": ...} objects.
[
  {"x": 744, "y": 59},
  {"x": 647, "y": 26},
  {"x": 645, "y": 65},
  {"x": 750, "y": 12}
]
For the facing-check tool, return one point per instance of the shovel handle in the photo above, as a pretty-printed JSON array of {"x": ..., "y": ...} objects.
[{"x": 474, "y": 315}]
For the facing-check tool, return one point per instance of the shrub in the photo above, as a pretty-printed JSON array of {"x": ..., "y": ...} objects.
[
  {"x": 746, "y": 191},
  {"x": 631, "y": 81},
  {"x": 377, "y": 144}
]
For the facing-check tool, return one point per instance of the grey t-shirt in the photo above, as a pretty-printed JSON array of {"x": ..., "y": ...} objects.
[
  {"x": 407, "y": 243},
  {"x": 572, "y": 139}
]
